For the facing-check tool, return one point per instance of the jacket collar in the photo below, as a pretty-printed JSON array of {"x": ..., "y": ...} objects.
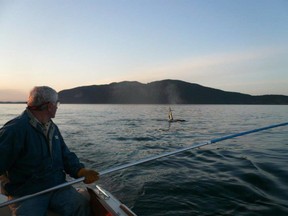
[{"x": 37, "y": 124}]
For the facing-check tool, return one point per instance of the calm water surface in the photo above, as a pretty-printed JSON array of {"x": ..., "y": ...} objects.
[{"x": 242, "y": 176}]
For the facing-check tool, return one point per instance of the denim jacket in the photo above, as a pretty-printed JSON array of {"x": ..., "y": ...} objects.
[{"x": 32, "y": 160}]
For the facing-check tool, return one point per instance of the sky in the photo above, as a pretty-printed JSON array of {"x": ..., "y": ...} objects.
[{"x": 238, "y": 45}]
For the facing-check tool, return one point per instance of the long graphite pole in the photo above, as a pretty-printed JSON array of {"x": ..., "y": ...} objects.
[
  {"x": 41, "y": 192},
  {"x": 124, "y": 166}
]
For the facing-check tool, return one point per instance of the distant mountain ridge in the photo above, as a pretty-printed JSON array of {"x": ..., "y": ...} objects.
[{"x": 161, "y": 92}]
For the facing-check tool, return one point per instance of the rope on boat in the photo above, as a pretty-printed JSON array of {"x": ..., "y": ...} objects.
[{"x": 124, "y": 166}]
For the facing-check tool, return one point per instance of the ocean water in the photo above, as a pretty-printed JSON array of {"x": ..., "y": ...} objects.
[{"x": 241, "y": 176}]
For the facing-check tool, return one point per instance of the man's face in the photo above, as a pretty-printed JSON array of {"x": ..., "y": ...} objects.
[{"x": 52, "y": 108}]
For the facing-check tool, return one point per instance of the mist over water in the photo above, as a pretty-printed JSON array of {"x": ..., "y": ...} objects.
[{"x": 241, "y": 176}]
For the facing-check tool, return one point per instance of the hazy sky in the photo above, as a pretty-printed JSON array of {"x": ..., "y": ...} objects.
[{"x": 233, "y": 45}]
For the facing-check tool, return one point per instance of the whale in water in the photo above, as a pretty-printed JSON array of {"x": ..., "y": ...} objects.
[{"x": 171, "y": 119}]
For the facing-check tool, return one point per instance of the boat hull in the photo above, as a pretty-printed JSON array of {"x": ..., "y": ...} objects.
[{"x": 102, "y": 203}]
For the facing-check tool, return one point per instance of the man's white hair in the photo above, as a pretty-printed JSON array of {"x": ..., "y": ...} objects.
[{"x": 42, "y": 94}]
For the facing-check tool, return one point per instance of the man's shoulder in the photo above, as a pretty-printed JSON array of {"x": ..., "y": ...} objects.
[{"x": 17, "y": 122}]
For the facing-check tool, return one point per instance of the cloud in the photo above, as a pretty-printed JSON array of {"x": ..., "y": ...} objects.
[{"x": 203, "y": 66}]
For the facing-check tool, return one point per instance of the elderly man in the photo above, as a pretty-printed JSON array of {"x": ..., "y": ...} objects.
[{"x": 34, "y": 157}]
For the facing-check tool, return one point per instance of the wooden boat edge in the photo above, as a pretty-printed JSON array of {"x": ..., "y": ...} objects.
[{"x": 107, "y": 200}]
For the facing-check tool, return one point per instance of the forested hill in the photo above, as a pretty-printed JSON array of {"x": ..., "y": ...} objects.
[{"x": 161, "y": 92}]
